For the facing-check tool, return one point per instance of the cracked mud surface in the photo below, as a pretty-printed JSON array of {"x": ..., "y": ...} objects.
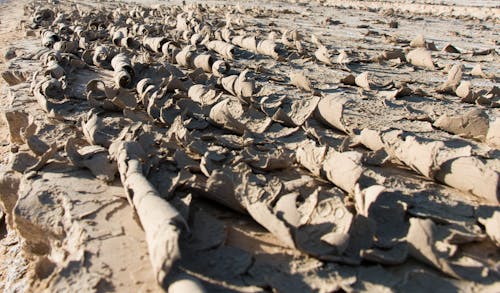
[{"x": 290, "y": 147}]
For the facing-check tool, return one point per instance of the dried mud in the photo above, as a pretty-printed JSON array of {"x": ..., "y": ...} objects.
[{"x": 286, "y": 147}]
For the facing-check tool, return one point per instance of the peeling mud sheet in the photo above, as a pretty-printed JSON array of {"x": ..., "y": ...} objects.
[{"x": 291, "y": 146}]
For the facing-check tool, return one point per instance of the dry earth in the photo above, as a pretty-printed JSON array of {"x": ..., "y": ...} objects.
[{"x": 287, "y": 147}]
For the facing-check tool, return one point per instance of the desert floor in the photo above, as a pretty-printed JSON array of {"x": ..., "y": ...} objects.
[{"x": 249, "y": 146}]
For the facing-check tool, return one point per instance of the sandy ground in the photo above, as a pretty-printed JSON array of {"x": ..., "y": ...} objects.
[{"x": 360, "y": 154}]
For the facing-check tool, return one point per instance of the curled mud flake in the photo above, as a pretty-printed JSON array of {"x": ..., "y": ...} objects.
[
  {"x": 449, "y": 48},
  {"x": 418, "y": 42},
  {"x": 244, "y": 86},
  {"x": 426, "y": 244},
  {"x": 160, "y": 221},
  {"x": 477, "y": 70},
  {"x": 94, "y": 158},
  {"x": 53, "y": 69},
  {"x": 474, "y": 124},
  {"x": 97, "y": 95},
  {"x": 327, "y": 229},
  {"x": 203, "y": 95},
  {"x": 268, "y": 159},
  {"x": 124, "y": 99},
  {"x": 248, "y": 43},
  {"x": 299, "y": 80},
  {"x": 420, "y": 154},
  {"x": 227, "y": 114},
  {"x": 344, "y": 169},
  {"x": 493, "y": 135},
  {"x": 362, "y": 81},
  {"x": 269, "y": 48},
  {"x": 421, "y": 58},
  {"x": 222, "y": 48},
  {"x": 370, "y": 139},
  {"x": 390, "y": 55},
  {"x": 323, "y": 55},
  {"x": 93, "y": 129},
  {"x": 349, "y": 80},
  {"x": 391, "y": 256},
  {"x": 261, "y": 213},
  {"x": 45, "y": 92},
  {"x": 123, "y": 70},
  {"x": 240, "y": 86},
  {"x": 473, "y": 175},
  {"x": 343, "y": 59},
  {"x": 36, "y": 145},
  {"x": 118, "y": 34},
  {"x": 330, "y": 111},
  {"x": 88, "y": 57},
  {"x": 453, "y": 80},
  {"x": 220, "y": 68},
  {"x": 49, "y": 38},
  {"x": 16, "y": 121},
  {"x": 43, "y": 159},
  {"x": 154, "y": 44},
  {"x": 13, "y": 77},
  {"x": 203, "y": 61},
  {"x": 465, "y": 92},
  {"x": 185, "y": 57},
  {"x": 311, "y": 156},
  {"x": 101, "y": 57},
  {"x": 286, "y": 207}
]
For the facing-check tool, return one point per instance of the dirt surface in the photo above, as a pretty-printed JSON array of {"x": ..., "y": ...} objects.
[{"x": 293, "y": 146}]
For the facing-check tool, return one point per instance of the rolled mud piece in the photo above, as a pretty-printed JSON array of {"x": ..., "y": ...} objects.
[
  {"x": 224, "y": 49},
  {"x": 420, "y": 57},
  {"x": 203, "y": 61},
  {"x": 118, "y": 35},
  {"x": 185, "y": 57},
  {"x": 100, "y": 57},
  {"x": 264, "y": 47},
  {"x": 161, "y": 222},
  {"x": 154, "y": 44},
  {"x": 48, "y": 89},
  {"x": 124, "y": 73},
  {"x": 49, "y": 38},
  {"x": 239, "y": 85},
  {"x": 455, "y": 167},
  {"x": 54, "y": 69},
  {"x": 220, "y": 68},
  {"x": 268, "y": 48},
  {"x": 66, "y": 47},
  {"x": 145, "y": 88},
  {"x": 248, "y": 43},
  {"x": 170, "y": 50}
]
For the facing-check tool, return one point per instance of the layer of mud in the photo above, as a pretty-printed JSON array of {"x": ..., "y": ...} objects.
[{"x": 290, "y": 147}]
